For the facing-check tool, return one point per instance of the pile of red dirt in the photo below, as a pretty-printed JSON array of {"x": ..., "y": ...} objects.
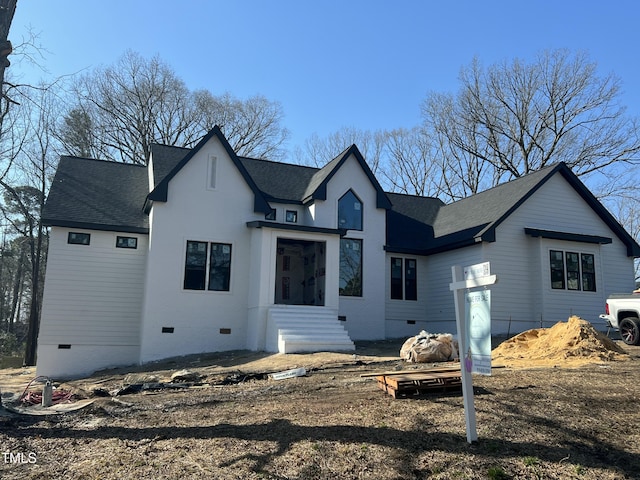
[{"x": 566, "y": 344}]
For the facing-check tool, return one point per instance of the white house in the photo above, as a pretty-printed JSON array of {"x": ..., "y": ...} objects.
[{"x": 203, "y": 250}]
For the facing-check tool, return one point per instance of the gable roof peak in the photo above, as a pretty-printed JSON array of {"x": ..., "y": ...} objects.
[
  {"x": 161, "y": 190},
  {"x": 317, "y": 188}
]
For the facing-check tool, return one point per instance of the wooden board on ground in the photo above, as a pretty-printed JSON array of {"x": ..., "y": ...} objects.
[
  {"x": 411, "y": 384},
  {"x": 442, "y": 367}
]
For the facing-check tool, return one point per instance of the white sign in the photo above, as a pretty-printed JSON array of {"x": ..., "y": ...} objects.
[
  {"x": 462, "y": 280},
  {"x": 478, "y": 320},
  {"x": 477, "y": 271}
]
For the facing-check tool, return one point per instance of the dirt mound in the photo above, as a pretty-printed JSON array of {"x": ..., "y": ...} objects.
[{"x": 566, "y": 344}]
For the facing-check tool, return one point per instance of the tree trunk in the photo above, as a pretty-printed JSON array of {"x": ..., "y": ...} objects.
[
  {"x": 18, "y": 280},
  {"x": 34, "y": 308},
  {"x": 7, "y": 10}
]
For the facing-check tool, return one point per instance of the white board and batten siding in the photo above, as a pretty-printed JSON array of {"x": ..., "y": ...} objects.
[
  {"x": 92, "y": 303},
  {"x": 523, "y": 294}
]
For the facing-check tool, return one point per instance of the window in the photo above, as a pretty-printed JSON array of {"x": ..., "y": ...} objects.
[
  {"x": 214, "y": 275},
  {"x": 404, "y": 282},
  {"x": 350, "y": 212},
  {"x": 396, "y": 279},
  {"x": 195, "y": 271},
  {"x": 126, "y": 242},
  {"x": 76, "y": 238},
  {"x": 410, "y": 279},
  {"x": 588, "y": 272},
  {"x": 557, "y": 269},
  {"x": 291, "y": 216},
  {"x": 220, "y": 267},
  {"x": 572, "y": 271},
  {"x": 350, "y": 267}
]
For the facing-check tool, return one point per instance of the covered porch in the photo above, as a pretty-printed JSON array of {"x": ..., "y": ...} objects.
[{"x": 293, "y": 291}]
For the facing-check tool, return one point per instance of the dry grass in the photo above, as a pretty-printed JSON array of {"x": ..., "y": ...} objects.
[{"x": 333, "y": 424}]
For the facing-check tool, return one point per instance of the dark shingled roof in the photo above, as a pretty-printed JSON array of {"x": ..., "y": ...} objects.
[
  {"x": 98, "y": 195},
  {"x": 165, "y": 158},
  {"x": 489, "y": 206},
  {"x": 475, "y": 219},
  {"x": 279, "y": 182},
  {"x": 112, "y": 196}
]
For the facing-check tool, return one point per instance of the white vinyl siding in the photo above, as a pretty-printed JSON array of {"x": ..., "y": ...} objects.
[
  {"x": 93, "y": 293},
  {"x": 440, "y": 307},
  {"x": 523, "y": 293}
]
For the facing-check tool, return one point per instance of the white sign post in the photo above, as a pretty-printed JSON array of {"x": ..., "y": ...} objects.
[{"x": 471, "y": 324}]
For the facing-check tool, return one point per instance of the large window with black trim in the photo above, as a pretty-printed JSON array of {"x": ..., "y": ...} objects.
[
  {"x": 207, "y": 266},
  {"x": 350, "y": 267},
  {"x": 572, "y": 270},
  {"x": 404, "y": 279},
  {"x": 350, "y": 212}
]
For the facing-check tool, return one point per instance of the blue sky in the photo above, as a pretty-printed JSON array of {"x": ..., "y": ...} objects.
[{"x": 361, "y": 63}]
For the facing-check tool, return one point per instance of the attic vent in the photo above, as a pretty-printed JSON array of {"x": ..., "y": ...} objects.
[
  {"x": 411, "y": 322},
  {"x": 64, "y": 347},
  {"x": 212, "y": 171},
  {"x": 167, "y": 329}
]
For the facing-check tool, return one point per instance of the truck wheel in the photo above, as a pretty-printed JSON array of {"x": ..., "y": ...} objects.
[{"x": 630, "y": 330}]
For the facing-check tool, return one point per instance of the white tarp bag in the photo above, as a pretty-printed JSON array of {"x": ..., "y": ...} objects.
[{"x": 427, "y": 347}]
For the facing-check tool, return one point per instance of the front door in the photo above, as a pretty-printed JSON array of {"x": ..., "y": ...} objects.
[{"x": 300, "y": 272}]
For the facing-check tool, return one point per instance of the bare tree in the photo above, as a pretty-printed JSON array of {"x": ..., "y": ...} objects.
[
  {"x": 24, "y": 187},
  {"x": 7, "y": 10},
  {"x": 120, "y": 110},
  {"x": 253, "y": 126},
  {"x": 318, "y": 151},
  {"x": 517, "y": 118},
  {"x": 124, "y": 108},
  {"x": 409, "y": 166}
]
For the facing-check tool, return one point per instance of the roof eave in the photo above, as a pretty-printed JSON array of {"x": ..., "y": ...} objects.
[{"x": 48, "y": 222}]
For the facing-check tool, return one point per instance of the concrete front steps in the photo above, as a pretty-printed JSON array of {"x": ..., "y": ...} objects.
[{"x": 301, "y": 328}]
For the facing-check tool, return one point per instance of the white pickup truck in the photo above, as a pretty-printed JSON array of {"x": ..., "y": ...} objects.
[{"x": 623, "y": 314}]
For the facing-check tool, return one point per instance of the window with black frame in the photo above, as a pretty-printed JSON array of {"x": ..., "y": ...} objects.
[
  {"x": 350, "y": 267},
  {"x": 404, "y": 279},
  {"x": 207, "y": 266},
  {"x": 574, "y": 271},
  {"x": 350, "y": 212}
]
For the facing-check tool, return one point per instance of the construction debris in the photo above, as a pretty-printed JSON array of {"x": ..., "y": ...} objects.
[
  {"x": 46, "y": 401},
  {"x": 185, "y": 376},
  {"x": 427, "y": 347},
  {"x": 296, "y": 372},
  {"x": 419, "y": 382}
]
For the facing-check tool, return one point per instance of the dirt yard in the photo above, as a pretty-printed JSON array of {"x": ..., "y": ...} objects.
[{"x": 551, "y": 422}]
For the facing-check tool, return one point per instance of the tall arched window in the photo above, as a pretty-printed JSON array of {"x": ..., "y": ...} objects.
[{"x": 350, "y": 212}]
